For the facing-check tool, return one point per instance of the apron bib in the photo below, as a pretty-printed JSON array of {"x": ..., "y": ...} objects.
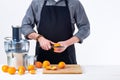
[{"x": 55, "y": 25}]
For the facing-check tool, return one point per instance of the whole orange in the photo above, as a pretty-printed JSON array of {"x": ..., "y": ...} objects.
[
  {"x": 31, "y": 67},
  {"x": 38, "y": 64},
  {"x": 5, "y": 68},
  {"x": 61, "y": 65},
  {"x": 11, "y": 70},
  {"x": 21, "y": 71},
  {"x": 21, "y": 67},
  {"x": 46, "y": 63},
  {"x": 32, "y": 72}
]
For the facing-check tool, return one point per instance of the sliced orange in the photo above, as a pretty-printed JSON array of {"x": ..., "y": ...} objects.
[
  {"x": 61, "y": 65},
  {"x": 51, "y": 68},
  {"x": 38, "y": 64},
  {"x": 5, "y": 68},
  {"x": 48, "y": 67},
  {"x": 11, "y": 70},
  {"x": 46, "y": 63},
  {"x": 56, "y": 45}
]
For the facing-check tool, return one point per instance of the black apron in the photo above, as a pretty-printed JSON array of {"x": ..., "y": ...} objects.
[{"x": 55, "y": 25}]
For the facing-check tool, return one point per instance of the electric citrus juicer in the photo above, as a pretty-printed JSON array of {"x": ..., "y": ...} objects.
[{"x": 17, "y": 49}]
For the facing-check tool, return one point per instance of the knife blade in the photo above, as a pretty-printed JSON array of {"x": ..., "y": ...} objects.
[{"x": 57, "y": 46}]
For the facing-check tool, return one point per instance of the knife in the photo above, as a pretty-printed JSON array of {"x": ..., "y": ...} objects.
[
  {"x": 52, "y": 46},
  {"x": 57, "y": 46}
]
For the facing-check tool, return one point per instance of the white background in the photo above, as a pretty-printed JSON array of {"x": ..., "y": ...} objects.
[{"x": 100, "y": 48}]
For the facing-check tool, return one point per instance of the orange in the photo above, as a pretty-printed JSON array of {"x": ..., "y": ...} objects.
[
  {"x": 46, "y": 63},
  {"x": 48, "y": 67},
  {"x": 11, "y": 70},
  {"x": 31, "y": 67},
  {"x": 56, "y": 44},
  {"x": 38, "y": 64},
  {"x": 32, "y": 72},
  {"x": 61, "y": 65},
  {"x": 21, "y": 71},
  {"x": 21, "y": 67},
  {"x": 55, "y": 47},
  {"x": 5, "y": 68},
  {"x": 51, "y": 68}
]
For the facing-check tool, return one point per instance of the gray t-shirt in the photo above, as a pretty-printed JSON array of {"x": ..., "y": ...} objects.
[{"x": 77, "y": 13}]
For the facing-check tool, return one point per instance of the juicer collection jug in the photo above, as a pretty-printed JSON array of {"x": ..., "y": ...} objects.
[{"x": 17, "y": 49}]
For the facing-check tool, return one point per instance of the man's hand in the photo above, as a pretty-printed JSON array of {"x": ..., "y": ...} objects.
[
  {"x": 61, "y": 49},
  {"x": 67, "y": 43},
  {"x": 45, "y": 43}
]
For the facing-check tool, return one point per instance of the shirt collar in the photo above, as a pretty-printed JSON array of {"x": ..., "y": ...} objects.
[{"x": 57, "y": 0}]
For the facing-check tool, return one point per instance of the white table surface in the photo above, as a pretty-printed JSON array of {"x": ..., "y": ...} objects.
[{"x": 90, "y": 72}]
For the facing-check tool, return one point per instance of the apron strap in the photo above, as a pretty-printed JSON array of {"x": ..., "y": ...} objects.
[
  {"x": 45, "y": 2},
  {"x": 66, "y": 2}
]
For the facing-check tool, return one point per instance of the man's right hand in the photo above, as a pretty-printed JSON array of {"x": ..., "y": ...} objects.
[{"x": 45, "y": 43}]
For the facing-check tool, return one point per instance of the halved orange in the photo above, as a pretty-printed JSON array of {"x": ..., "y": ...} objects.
[{"x": 57, "y": 44}]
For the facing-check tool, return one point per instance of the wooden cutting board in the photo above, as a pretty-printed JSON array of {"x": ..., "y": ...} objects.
[{"x": 69, "y": 69}]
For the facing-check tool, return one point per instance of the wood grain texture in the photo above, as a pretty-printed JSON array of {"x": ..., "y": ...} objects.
[{"x": 69, "y": 69}]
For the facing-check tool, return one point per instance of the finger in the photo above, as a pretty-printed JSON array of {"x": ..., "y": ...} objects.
[
  {"x": 43, "y": 46},
  {"x": 47, "y": 46},
  {"x": 52, "y": 42},
  {"x": 58, "y": 50}
]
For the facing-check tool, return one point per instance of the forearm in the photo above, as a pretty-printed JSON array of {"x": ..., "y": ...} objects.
[
  {"x": 72, "y": 40},
  {"x": 33, "y": 35},
  {"x": 82, "y": 22}
]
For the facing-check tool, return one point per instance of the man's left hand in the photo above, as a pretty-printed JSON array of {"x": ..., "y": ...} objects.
[{"x": 61, "y": 49}]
